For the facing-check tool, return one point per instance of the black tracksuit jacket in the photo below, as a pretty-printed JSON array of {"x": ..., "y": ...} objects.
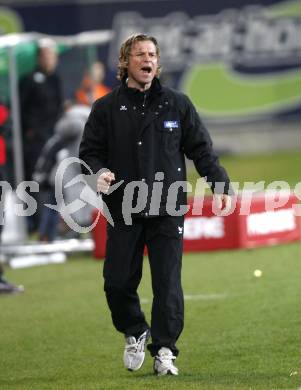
[
  {"x": 136, "y": 134},
  {"x": 41, "y": 104}
]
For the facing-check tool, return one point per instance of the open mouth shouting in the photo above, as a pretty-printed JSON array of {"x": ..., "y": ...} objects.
[{"x": 146, "y": 69}]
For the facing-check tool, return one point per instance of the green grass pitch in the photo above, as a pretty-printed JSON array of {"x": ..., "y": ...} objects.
[{"x": 241, "y": 332}]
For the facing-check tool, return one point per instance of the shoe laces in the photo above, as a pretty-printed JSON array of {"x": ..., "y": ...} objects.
[
  {"x": 166, "y": 357},
  {"x": 133, "y": 345}
]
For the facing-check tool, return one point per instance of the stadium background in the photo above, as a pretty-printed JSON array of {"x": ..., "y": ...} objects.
[{"x": 240, "y": 64}]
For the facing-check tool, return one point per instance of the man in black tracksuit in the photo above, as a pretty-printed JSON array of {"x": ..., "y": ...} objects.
[
  {"x": 140, "y": 133},
  {"x": 41, "y": 105}
]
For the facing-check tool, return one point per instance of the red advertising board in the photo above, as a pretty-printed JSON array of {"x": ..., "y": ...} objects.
[{"x": 261, "y": 219}]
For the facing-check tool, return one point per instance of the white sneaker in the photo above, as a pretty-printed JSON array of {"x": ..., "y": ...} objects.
[
  {"x": 133, "y": 356},
  {"x": 163, "y": 363}
]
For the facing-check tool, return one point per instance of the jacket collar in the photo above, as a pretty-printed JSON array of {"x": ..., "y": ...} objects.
[{"x": 136, "y": 95}]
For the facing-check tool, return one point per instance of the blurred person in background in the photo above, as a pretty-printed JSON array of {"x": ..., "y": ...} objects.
[
  {"x": 141, "y": 133},
  {"x": 5, "y": 286},
  {"x": 63, "y": 144},
  {"x": 92, "y": 86},
  {"x": 41, "y": 105}
]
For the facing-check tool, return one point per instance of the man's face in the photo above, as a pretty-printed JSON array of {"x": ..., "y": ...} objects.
[
  {"x": 97, "y": 72},
  {"x": 143, "y": 65},
  {"x": 48, "y": 59}
]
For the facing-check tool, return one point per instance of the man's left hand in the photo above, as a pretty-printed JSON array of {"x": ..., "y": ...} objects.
[{"x": 223, "y": 202}]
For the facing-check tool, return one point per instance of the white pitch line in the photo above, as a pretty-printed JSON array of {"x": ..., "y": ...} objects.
[
  {"x": 197, "y": 297},
  {"x": 204, "y": 297}
]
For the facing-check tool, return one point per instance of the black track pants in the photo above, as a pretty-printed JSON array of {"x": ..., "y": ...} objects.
[{"x": 163, "y": 237}]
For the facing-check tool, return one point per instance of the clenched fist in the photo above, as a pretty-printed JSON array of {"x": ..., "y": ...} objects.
[{"x": 104, "y": 181}]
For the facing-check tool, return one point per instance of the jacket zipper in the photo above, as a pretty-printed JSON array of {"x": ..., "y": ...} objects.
[{"x": 144, "y": 100}]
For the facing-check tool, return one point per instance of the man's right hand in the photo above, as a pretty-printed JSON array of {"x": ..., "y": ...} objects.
[{"x": 104, "y": 181}]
